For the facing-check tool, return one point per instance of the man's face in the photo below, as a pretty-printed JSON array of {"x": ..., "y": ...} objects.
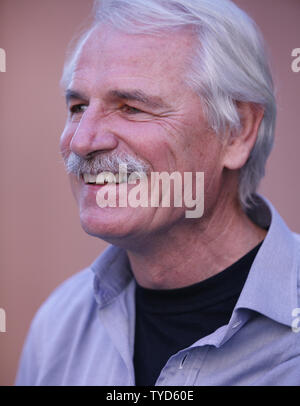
[{"x": 128, "y": 95}]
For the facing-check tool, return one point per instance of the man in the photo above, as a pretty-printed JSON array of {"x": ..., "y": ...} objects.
[{"x": 171, "y": 86}]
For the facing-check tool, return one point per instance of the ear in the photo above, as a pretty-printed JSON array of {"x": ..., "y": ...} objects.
[{"x": 239, "y": 146}]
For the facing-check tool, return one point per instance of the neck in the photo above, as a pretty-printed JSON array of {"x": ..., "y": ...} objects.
[{"x": 193, "y": 251}]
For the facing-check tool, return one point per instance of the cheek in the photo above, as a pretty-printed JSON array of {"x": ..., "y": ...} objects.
[
  {"x": 184, "y": 142},
  {"x": 65, "y": 140},
  {"x": 206, "y": 149},
  {"x": 213, "y": 169},
  {"x": 74, "y": 186},
  {"x": 149, "y": 142},
  {"x": 166, "y": 146}
]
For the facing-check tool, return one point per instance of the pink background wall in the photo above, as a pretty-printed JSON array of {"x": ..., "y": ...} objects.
[{"x": 41, "y": 239}]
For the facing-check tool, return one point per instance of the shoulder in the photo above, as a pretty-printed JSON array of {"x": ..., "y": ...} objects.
[
  {"x": 297, "y": 245},
  {"x": 74, "y": 299},
  {"x": 75, "y": 288},
  {"x": 66, "y": 311},
  {"x": 65, "y": 304},
  {"x": 297, "y": 238}
]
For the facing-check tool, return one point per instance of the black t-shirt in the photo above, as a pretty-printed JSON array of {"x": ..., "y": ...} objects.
[{"x": 170, "y": 320}]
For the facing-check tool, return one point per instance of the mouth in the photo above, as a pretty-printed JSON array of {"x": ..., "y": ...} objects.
[{"x": 109, "y": 178}]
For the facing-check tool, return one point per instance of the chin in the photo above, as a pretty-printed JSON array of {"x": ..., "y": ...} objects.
[{"x": 109, "y": 224}]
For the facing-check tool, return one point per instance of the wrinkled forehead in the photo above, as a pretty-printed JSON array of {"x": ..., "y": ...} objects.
[{"x": 107, "y": 49}]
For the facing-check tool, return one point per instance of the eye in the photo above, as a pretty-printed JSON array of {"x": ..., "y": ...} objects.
[
  {"x": 130, "y": 110},
  {"x": 78, "y": 108}
]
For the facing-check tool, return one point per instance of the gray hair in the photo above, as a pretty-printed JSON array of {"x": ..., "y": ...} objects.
[{"x": 230, "y": 65}]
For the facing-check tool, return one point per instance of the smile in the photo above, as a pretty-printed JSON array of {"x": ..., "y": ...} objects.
[{"x": 105, "y": 178}]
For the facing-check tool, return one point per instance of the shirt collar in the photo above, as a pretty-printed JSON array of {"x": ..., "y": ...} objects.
[
  {"x": 112, "y": 274},
  {"x": 271, "y": 286}
]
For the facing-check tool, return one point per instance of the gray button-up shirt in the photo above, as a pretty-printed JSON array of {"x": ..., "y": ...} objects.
[{"x": 84, "y": 333}]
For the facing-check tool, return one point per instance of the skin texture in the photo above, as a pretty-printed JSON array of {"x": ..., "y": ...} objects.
[{"x": 165, "y": 249}]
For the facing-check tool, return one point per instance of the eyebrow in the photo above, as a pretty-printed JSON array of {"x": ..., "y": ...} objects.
[
  {"x": 139, "y": 96},
  {"x": 74, "y": 95},
  {"x": 131, "y": 95}
]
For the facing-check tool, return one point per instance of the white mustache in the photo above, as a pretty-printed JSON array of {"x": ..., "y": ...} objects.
[{"x": 103, "y": 162}]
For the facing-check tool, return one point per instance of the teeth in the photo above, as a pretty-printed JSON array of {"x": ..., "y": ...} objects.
[
  {"x": 121, "y": 177},
  {"x": 134, "y": 176},
  {"x": 106, "y": 177},
  {"x": 88, "y": 178}
]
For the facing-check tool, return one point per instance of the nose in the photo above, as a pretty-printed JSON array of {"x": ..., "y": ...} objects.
[{"x": 93, "y": 134}]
